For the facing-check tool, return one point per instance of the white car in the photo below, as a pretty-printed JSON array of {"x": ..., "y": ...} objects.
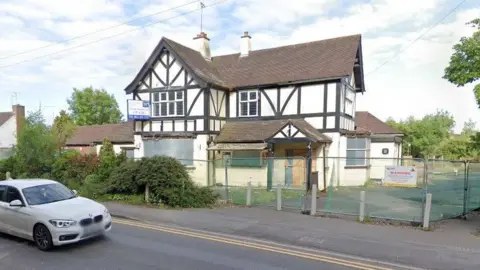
[{"x": 48, "y": 213}]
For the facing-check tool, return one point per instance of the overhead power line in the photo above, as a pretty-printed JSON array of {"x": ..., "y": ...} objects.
[
  {"x": 111, "y": 36},
  {"x": 417, "y": 39},
  {"x": 96, "y": 31}
]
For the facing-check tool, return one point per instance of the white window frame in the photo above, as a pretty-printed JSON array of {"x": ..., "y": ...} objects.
[
  {"x": 248, "y": 102},
  {"x": 366, "y": 160},
  {"x": 164, "y": 100}
]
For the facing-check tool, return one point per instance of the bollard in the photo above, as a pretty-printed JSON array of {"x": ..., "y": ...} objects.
[
  {"x": 279, "y": 197},
  {"x": 361, "y": 216},
  {"x": 249, "y": 194},
  {"x": 147, "y": 194},
  {"x": 313, "y": 209},
  {"x": 428, "y": 207}
]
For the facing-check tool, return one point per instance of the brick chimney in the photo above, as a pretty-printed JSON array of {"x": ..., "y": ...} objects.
[
  {"x": 203, "y": 45},
  {"x": 245, "y": 45},
  {"x": 19, "y": 112}
]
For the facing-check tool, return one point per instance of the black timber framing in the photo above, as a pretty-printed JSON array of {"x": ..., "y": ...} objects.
[{"x": 338, "y": 100}]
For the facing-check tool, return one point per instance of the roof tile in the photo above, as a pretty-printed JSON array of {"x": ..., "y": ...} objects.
[{"x": 116, "y": 133}]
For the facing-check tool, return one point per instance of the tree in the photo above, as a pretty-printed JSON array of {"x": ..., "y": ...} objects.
[
  {"x": 464, "y": 66},
  {"x": 424, "y": 137},
  {"x": 63, "y": 128},
  {"x": 36, "y": 147},
  {"x": 90, "y": 106}
]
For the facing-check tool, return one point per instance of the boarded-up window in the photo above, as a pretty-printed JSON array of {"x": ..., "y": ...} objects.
[{"x": 181, "y": 149}]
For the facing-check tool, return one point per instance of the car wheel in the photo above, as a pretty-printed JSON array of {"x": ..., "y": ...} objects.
[{"x": 42, "y": 237}]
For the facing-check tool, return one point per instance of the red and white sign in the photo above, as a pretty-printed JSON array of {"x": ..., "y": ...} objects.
[{"x": 400, "y": 176}]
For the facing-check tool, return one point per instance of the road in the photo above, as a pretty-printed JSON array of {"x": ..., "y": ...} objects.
[{"x": 138, "y": 246}]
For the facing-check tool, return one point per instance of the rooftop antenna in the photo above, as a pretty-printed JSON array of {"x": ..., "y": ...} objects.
[
  {"x": 14, "y": 98},
  {"x": 202, "y": 6}
]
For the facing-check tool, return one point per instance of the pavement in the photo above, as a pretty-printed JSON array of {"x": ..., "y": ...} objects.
[
  {"x": 137, "y": 246},
  {"x": 450, "y": 246}
]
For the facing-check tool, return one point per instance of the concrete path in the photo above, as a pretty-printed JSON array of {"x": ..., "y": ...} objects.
[{"x": 450, "y": 246}]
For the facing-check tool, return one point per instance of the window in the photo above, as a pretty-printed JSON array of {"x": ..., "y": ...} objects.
[
  {"x": 48, "y": 193},
  {"x": 2, "y": 193},
  {"x": 358, "y": 150},
  {"x": 181, "y": 149},
  {"x": 244, "y": 158},
  {"x": 13, "y": 194},
  {"x": 248, "y": 103},
  {"x": 129, "y": 152},
  {"x": 168, "y": 103}
]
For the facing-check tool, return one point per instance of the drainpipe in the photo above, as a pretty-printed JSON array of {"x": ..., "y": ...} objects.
[
  {"x": 338, "y": 162},
  {"x": 324, "y": 167}
]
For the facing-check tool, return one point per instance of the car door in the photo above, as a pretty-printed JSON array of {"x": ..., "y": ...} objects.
[
  {"x": 3, "y": 205},
  {"x": 18, "y": 218}
]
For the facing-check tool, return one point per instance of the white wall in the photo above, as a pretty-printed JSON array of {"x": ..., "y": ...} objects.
[
  {"x": 378, "y": 160},
  {"x": 8, "y": 133},
  {"x": 117, "y": 148}
]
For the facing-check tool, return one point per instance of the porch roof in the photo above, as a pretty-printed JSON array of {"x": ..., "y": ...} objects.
[
  {"x": 264, "y": 130},
  {"x": 238, "y": 146}
]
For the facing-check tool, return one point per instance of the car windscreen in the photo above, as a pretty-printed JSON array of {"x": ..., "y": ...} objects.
[{"x": 48, "y": 193}]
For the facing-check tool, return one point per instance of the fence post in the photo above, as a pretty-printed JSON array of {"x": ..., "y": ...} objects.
[
  {"x": 249, "y": 194},
  {"x": 279, "y": 197},
  {"x": 425, "y": 185},
  {"x": 361, "y": 216},
  {"x": 426, "y": 216},
  {"x": 465, "y": 188},
  {"x": 225, "y": 165},
  {"x": 313, "y": 209},
  {"x": 147, "y": 193}
]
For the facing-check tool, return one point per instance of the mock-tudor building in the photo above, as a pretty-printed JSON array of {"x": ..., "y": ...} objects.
[{"x": 284, "y": 102}]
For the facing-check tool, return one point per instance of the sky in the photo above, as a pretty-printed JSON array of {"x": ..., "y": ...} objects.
[{"x": 49, "y": 47}]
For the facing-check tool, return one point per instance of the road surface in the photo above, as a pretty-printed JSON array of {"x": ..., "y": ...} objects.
[{"x": 138, "y": 246}]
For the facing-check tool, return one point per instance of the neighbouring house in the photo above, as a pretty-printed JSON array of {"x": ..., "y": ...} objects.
[
  {"x": 10, "y": 125},
  {"x": 88, "y": 139},
  {"x": 294, "y": 103}
]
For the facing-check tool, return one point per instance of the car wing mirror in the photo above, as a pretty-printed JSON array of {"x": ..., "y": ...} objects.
[
  {"x": 74, "y": 192},
  {"x": 16, "y": 203}
]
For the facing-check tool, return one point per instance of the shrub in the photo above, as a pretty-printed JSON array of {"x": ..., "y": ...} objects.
[
  {"x": 123, "y": 179},
  {"x": 93, "y": 187},
  {"x": 170, "y": 183},
  {"x": 72, "y": 168},
  {"x": 108, "y": 160}
]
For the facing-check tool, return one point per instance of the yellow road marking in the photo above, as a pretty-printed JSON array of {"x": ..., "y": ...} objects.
[{"x": 300, "y": 254}]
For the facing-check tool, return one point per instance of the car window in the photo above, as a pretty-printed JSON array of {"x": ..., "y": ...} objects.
[
  {"x": 48, "y": 193},
  {"x": 3, "y": 193},
  {"x": 13, "y": 194}
]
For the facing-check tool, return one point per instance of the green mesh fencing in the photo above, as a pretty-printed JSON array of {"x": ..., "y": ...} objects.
[
  {"x": 446, "y": 182},
  {"x": 347, "y": 182},
  {"x": 472, "y": 201}
]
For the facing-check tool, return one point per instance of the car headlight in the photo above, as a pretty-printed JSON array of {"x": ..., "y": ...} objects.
[
  {"x": 62, "y": 223},
  {"x": 106, "y": 213}
]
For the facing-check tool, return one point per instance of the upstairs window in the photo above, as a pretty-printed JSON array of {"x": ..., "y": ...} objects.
[
  {"x": 358, "y": 151},
  {"x": 168, "y": 103},
  {"x": 248, "y": 103}
]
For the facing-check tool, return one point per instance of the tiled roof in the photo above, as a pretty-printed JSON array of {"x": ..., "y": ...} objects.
[
  {"x": 316, "y": 60},
  {"x": 116, "y": 133},
  {"x": 259, "y": 131},
  {"x": 366, "y": 121},
  {"x": 4, "y": 116}
]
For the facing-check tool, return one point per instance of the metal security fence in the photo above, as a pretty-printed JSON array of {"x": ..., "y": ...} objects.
[{"x": 354, "y": 186}]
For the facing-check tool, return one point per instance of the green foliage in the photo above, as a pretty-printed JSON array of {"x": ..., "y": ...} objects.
[
  {"x": 72, "y": 168},
  {"x": 36, "y": 147},
  {"x": 108, "y": 160},
  {"x": 423, "y": 137},
  {"x": 90, "y": 106},
  {"x": 464, "y": 66},
  {"x": 63, "y": 128},
  {"x": 123, "y": 179},
  {"x": 171, "y": 185},
  {"x": 6, "y": 165}
]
